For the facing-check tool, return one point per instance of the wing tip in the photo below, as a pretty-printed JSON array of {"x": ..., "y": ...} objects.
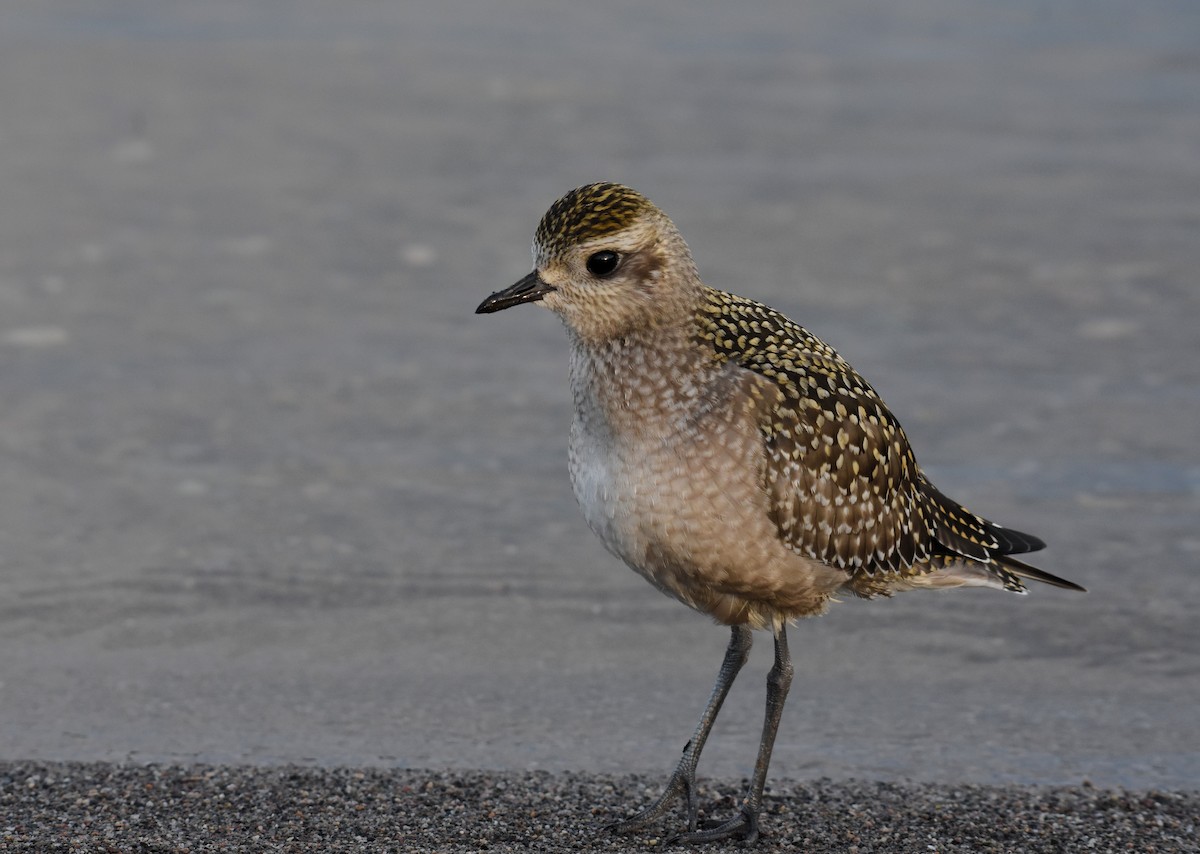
[
  {"x": 1033, "y": 573},
  {"x": 1012, "y": 541}
]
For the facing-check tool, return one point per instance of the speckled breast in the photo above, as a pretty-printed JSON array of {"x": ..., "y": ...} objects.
[{"x": 680, "y": 502}]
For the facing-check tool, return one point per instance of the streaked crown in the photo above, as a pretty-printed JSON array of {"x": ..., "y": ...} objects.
[{"x": 587, "y": 213}]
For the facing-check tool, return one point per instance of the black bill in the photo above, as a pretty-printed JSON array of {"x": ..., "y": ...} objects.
[{"x": 529, "y": 289}]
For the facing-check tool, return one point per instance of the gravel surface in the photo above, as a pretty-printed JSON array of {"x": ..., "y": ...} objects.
[{"x": 106, "y": 807}]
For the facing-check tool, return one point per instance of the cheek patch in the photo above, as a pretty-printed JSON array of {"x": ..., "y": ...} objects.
[{"x": 644, "y": 269}]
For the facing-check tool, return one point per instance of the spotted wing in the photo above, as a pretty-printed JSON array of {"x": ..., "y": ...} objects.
[{"x": 844, "y": 486}]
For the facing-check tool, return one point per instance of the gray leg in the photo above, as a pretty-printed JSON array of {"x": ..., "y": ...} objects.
[
  {"x": 745, "y": 824},
  {"x": 683, "y": 781}
]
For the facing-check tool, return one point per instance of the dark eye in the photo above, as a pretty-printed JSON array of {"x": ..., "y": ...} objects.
[{"x": 602, "y": 263}]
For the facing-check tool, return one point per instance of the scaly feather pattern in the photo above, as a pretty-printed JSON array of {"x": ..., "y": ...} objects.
[{"x": 844, "y": 485}]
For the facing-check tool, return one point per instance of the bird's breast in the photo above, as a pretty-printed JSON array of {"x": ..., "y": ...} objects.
[{"x": 678, "y": 500}]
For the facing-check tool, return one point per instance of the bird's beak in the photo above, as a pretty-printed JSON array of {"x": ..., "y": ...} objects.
[{"x": 529, "y": 289}]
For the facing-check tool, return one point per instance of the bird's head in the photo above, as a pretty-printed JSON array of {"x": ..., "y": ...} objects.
[{"x": 608, "y": 261}]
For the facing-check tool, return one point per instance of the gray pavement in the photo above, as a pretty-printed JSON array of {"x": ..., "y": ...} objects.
[{"x": 270, "y": 493}]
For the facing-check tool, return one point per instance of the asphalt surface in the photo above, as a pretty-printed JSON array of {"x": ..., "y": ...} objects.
[{"x": 271, "y": 495}]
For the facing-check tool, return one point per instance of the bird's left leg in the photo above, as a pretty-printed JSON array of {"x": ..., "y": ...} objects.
[
  {"x": 683, "y": 782},
  {"x": 744, "y": 825}
]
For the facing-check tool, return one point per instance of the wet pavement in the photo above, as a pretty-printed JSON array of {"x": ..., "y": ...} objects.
[{"x": 271, "y": 493}]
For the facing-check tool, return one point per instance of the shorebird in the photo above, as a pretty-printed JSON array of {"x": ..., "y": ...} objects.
[{"x": 734, "y": 459}]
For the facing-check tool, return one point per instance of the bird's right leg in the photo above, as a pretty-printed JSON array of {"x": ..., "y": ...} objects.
[{"x": 683, "y": 781}]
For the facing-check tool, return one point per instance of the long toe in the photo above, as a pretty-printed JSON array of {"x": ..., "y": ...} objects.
[
  {"x": 743, "y": 827},
  {"x": 679, "y": 786}
]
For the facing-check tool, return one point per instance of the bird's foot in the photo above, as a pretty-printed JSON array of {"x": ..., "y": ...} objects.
[
  {"x": 743, "y": 827},
  {"x": 681, "y": 785}
]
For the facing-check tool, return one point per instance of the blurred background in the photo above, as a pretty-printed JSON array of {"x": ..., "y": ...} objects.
[{"x": 271, "y": 493}]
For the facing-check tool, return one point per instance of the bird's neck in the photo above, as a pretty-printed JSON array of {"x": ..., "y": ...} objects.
[{"x": 655, "y": 378}]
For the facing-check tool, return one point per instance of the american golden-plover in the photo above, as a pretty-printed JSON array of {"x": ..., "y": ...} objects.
[{"x": 733, "y": 459}]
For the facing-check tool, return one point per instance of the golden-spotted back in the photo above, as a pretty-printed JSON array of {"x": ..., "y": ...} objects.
[
  {"x": 840, "y": 472},
  {"x": 587, "y": 213},
  {"x": 844, "y": 486}
]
